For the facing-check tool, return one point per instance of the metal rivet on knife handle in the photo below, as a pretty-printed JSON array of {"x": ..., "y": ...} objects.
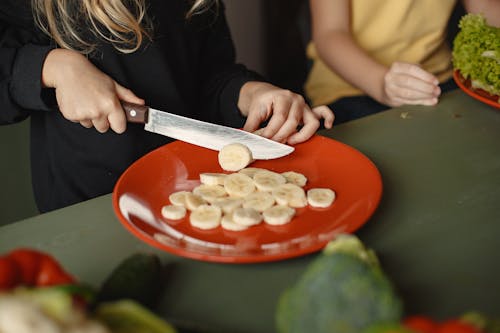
[{"x": 135, "y": 113}]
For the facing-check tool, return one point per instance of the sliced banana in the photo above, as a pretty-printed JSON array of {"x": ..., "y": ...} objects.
[
  {"x": 260, "y": 201},
  {"x": 173, "y": 212},
  {"x": 290, "y": 195},
  {"x": 278, "y": 215},
  {"x": 210, "y": 193},
  {"x": 251, "y": 171},
  {"x": 239, "y": 185},
  {"x": 206, "y": 217},
  {"x": 178, "y": 198},
  {"x": 234, "y": 157},
  {"x": 228, "y": 204},
  {"x": 193, "y": 201},
  {"x": 228, "y": 223},
  {"x": 320, "y": 197},
  {"x": 268, "y": 180},
  {"x": 246, "y": 216},
  {"x": 212, "y": 178},
  {"x": 295, "y": 178}
]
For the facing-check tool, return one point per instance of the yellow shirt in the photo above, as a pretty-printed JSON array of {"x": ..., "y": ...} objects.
[{"x": 412, "y": 31}]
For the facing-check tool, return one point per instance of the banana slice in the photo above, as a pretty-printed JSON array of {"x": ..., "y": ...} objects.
[
  {"x": 210, "y": 193},
  {"x": 260, "y": 201},
  {"x": 268, "y": 180},
  {"x": 210, "y": 178},
  {"x": 234, "y": 157},
  {"x": 173, "y": 212},
  {"x": 251, "y": 171},
  {"x": 178, "y": 198},
  {"x": 228, "y": 204},
  {"x": 246, "y": 216},
  {"x": 228, "y": 223},
  {"x": 290, "y": 195},
  {"x": 320, "y": 197},
  {"x": 295, "y": 178},
  {"x": 238, "y": 185},
  {"x": 193, "y": 201},
  {"x": 206, "y": 217},
  {"x": 278, "y": 215}
]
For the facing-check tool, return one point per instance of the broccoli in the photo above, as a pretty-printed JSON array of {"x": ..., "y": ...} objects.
[
  {"x": 343, "y": 290},
  {"x": 476, "y": 53}
]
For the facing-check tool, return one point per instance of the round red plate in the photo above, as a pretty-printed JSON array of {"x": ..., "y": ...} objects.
[
  {"x": 145, "y": 186},
  {"x": 480, "y": 94}
]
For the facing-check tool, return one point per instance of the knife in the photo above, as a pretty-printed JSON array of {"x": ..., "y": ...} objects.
[{"x": 202, "y": 133}]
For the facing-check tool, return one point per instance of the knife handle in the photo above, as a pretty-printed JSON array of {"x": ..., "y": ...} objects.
[{"x": 135, "y": 113}]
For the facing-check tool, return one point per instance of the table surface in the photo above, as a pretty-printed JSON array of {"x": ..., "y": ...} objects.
[{"x": 435, "y": 231}]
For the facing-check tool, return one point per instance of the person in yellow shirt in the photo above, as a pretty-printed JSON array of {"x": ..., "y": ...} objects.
[{"x": 370, "y": 55}]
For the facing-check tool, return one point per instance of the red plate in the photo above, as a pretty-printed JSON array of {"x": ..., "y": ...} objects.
[
  {"x": 478, "y": 94},
  {"x": 144, "y": 188}
]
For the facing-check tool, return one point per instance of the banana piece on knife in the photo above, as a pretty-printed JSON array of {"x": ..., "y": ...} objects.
[{"x": 234, "y": 157}]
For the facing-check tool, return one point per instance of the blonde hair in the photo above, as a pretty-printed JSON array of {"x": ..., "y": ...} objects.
[{"x": 123, "y": 23}]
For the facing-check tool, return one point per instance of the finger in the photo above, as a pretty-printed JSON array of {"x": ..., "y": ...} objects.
[
  {"x": 324, "y": 112},
  {"x": 86, "y": 123},
  {"x": 280, "y": 112},
  {"x": 415, "y": 71},
  {"x": 256, "y": 116},
  {"x": 311, "y": 125},
  {"x": 410, "y": 88},
  {"x": 428, "y": 101},
  {"x": 127, "y": 95},
  {"x": 101, "y": 124},
  {"x": 117, "y": 121},
  {"x": 289, "y": 125}
]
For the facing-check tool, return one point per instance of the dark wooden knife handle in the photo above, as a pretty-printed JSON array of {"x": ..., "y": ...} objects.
[{"x": 135, "y": 113}]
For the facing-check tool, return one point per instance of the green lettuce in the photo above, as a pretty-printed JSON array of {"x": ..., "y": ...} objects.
[{"x": 476, "y": 53}]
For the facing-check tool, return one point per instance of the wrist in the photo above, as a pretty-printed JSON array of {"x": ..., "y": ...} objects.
[{"x": 55, "y": 63}]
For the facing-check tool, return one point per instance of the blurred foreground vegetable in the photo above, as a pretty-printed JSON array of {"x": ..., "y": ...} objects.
[
  {"x": 343, "y": 290},
  {"x": 476, "y": 53}
]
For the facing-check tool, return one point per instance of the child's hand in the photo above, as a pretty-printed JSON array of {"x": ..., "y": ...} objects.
[
  {"x": 409, "y": 84},
  {"x": 84, "y": 93},
  {"x": 285, "y": 110}
]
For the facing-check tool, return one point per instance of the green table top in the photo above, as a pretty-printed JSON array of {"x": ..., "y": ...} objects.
[{"x": 436, "y": 229}]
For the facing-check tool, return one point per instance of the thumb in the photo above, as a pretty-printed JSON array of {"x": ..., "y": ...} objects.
[{"x": 127, "y": 95}]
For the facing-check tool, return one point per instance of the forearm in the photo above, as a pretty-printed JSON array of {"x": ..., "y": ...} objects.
[
  {"x": 490, "y": 9},
  {"x": 340, "y": 52}
]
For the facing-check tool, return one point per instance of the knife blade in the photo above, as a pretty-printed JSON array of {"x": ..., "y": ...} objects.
[{"x": 204, "y": 134}]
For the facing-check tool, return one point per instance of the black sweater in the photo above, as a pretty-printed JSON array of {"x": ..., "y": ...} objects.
[{"x": 188, "y": 68}]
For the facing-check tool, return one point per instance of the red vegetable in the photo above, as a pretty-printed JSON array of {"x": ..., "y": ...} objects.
[
  {"x": 30, "y": 267},
  {"x": 420, "y": 324},
  {"x": 456, "y": 326}
]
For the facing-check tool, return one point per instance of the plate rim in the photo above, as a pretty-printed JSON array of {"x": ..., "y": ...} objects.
[{"x": 457, "y": 77}]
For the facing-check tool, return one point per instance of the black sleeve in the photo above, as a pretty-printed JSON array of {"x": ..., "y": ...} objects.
[
  {"x": 222, "y": 78},
  {"x": 21, "y": 63}
]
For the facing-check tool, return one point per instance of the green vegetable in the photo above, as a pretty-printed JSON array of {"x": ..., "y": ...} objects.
[
  {"x": 140, "y": 277},
  {"x": 343, "y": 290},
  {"x": 476, "y": 53},
  {"x": 127, "y": 316}
]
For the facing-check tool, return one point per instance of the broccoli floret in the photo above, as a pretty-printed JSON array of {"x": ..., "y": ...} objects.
[
  {"x": 476, "y": 53},
  {"x": 342, "y": 291}
]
